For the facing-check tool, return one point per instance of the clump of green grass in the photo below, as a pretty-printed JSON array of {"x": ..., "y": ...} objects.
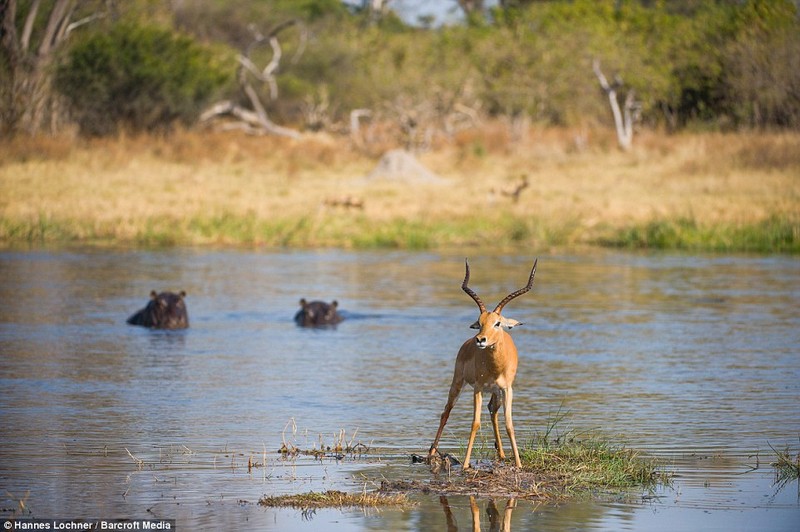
[
  {"x": 776, "y": 234},
  {"x": 583, "y": 462},
  {"x": 592, "y": 463},
  {"x": 334, "y": 499},
  {"x": 556, "y": 464}
]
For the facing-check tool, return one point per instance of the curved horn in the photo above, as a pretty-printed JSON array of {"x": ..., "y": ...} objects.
[
  {"x": 469, "y": 291},
  {"x": 519, "y": 292}
]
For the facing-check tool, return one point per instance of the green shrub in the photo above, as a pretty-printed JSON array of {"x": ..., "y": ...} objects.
[{"x": 142, "y": 78}]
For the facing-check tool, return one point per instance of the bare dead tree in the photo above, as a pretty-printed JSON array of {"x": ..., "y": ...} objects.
[
  {"x": 355, "y": 125},
  {"x": 461, "y": 117},
  {"x": 316, "y": 110},
  {"x": 256, "y": 120},
  {"x": 439, "y": 113},
  {"x": 376, "y": 9},
  {"x": 624, "y": 119},
  {"x": 471, "y": 6},
  {"x": 29, "y": 101}
]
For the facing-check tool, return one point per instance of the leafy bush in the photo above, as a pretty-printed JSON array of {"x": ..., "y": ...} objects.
[
  {"x": 143, "y": 78},
  {"x": 691, "y": 64},
  {"x": 762, "y": 74}
]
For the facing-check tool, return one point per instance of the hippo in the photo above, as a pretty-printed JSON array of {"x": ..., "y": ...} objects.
[
  {"x": 166, "y": 310},
  {"x": 317, "y": 314}
]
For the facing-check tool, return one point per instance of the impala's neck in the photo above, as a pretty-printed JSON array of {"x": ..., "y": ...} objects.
[{"x": 503, "y": 348}]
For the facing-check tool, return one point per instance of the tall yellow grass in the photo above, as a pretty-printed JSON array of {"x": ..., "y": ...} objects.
[{"x": 201, "y": 188}]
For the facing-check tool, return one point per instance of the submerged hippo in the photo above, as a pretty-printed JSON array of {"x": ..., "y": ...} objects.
[
  {"x": 317, "y": 313},
  {"x": 166, "y": 310}
]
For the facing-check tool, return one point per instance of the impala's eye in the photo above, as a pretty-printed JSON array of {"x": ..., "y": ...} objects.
[{"x": 496, "y": 325}]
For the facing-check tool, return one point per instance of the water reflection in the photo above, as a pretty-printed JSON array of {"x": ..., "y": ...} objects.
[
  {"x": 692, "y": 358},
  {"x": 497, "y": 521}
]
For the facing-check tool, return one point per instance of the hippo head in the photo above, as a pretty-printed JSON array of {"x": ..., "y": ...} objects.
[
  {"x": 166, "y": 310},
  {"x": 317, "y": 313}
]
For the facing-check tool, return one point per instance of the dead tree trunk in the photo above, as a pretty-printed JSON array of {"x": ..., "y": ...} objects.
[
  {"x": 376, "y": 9},
  {"x": 256, "y": 120},
  {"x": 28, "y": 102},
  {"x": 624, "y": 119}
]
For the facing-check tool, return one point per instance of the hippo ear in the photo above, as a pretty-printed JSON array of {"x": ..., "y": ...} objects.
[
  {"x": 153, "y": 294},
  {"x": 182, "y": 294},
  {"x": 334, "y": 303},
  {"x": 303, "y": 302}
]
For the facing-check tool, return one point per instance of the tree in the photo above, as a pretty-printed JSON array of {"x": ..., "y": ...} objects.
[
  {"x": 376, "y": 8},
  {"x": 625, "y": 119},
  {"x": 473, "y": 9},
  {"x": 137, "y": 76},
  {"x": 28, "y": 102},
  {"x": 256, "y": 120},
  {"x": 762, "y": 75}
]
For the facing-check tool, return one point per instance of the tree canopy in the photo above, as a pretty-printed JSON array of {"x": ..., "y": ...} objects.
[{"x": 145, "y": 64}]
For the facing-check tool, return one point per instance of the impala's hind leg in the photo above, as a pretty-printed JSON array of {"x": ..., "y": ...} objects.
[{"x": 494, "y": 406}]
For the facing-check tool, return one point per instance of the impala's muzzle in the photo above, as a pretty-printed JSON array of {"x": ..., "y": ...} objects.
[{"x": 481, "y": 341}]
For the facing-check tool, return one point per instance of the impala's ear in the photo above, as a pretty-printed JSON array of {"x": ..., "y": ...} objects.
[
  {"x": 476, "y": 325},
  {"x": 509, "y": 323}
]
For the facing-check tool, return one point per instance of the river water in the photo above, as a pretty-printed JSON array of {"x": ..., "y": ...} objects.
[{"x": 694, "y": 359}]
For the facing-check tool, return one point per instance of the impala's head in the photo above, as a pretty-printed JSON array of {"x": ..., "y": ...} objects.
[{"x": 490, "y": 325}]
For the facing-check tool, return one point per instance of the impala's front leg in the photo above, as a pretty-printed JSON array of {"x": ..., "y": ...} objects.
[
  {"x": 508, "y": 397},
  {"x": 476, "y": 424},
  {"x": 452, "y": 397}
]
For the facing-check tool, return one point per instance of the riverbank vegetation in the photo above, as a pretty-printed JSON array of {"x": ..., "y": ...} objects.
[
  {"x": 242, "y": 123},
  {"x": 147, "y": 65},
  {"x": 709, "y": 191}
]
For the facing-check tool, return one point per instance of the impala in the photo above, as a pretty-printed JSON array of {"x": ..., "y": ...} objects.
[{"x": 488, "y": 363}]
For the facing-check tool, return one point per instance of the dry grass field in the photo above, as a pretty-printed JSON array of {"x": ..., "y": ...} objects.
[{"x": 709, "y": 191}]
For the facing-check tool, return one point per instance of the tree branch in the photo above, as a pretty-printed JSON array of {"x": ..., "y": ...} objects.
[
  {"x": 257, "y": 120},
  {"x": 623, "y": 125},
  {"x": 55, "y": 25},
  {"x": 27, "y": 30}
]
